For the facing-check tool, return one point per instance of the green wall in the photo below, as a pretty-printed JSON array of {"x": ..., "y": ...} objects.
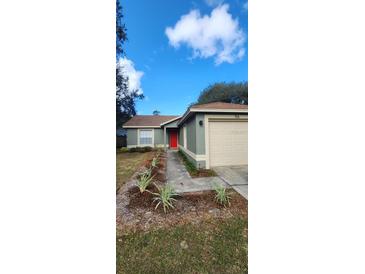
[
  {"x": 181, "y": 136},
  {"x": 158, "y": 136},
  {"x": 195, "y": 134},
  {"x": 131, "y": 137},
  {"x": 200, "y": 134},
  {"x": 191, "y": 134}
]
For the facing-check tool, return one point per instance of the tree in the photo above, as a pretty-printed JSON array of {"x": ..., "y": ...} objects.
[
  {"x": 125, "y": 98},
  {"x": 121, "y": 30},
  {"x": 156, "y": 112},
  {"x": 225, "y": 92}
]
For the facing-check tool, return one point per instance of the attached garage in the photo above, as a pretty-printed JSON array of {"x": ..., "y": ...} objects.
[
  {"x": 228, "y": 142},
  {"x": 215, "y": 134}
]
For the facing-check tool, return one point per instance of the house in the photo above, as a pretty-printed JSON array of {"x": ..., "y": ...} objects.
[{"x": 213, "y": 134}]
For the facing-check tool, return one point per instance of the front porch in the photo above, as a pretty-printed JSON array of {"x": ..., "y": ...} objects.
[
  {"x": 171, "y": 134},
  {"x": 171, "y": 138}
]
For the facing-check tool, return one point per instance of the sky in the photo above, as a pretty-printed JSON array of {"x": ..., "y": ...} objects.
[{"x": 177, "y": 48}]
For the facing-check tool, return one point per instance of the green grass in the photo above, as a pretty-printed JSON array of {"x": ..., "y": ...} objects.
[
  {"x": 216, "y": 246},
  {"x": 128, "y": 163},
  {"x": 193, "y": 171}
]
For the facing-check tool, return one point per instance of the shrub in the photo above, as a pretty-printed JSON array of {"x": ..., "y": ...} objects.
[
  {"x": 221, "y": 196},
  {"x": 123, "y": 150},
  {"x": 189, "y": 165},
  {"x": 165, "y": 197},
  {"x": 154, "y": 162},
  {"x": 144, "y": 180},
  {"x": 139, "y": 149}
]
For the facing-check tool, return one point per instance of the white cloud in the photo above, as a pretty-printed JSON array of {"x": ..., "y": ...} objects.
[
  {"x": 213, "y": 3},
  {"x": 134, "y": 76},
  {"x": 217, "y": 35}
]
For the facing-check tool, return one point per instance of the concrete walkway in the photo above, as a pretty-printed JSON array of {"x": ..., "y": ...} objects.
[
  {"x": 235, "y": 176},
  {"x": 181, "y": 181}
]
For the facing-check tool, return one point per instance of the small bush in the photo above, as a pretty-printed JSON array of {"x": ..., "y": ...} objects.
[
  {"x": 154, "y": 162},
  {"x": 165, "y": 197},
  {"x": 123, "y": 150},
  {"x": 140, "y": 149},
  {"x": 189, "y": 165},
  {"x": 221, "y": 196},
  {"x": 144, "y": 181}
]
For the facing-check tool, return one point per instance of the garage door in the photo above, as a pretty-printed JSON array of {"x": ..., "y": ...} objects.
[{"x": 228, "y": 143}]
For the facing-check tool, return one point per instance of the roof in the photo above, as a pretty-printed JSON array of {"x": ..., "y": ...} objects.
[
  {"x": 219, "y": 105},
  {"x": 148, "y": 120},
  {"x": 171, "y": 121}
]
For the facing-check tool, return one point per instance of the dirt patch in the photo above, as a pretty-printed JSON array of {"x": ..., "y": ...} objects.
[
  {"x": 141, "y": 200},
  {"x": 203, "y": 173},
  {"x": 158, "y": 172}
]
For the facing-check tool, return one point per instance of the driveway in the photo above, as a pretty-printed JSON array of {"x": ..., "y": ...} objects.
[{"x": 235, "y": 176}]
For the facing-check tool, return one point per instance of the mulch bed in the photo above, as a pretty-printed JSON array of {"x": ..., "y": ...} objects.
[
  {"x": 136, "y": 211},
  {"x": 203, "y": 173}
]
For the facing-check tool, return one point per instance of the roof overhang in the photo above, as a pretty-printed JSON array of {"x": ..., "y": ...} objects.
[
  {"x": 189, "y": 111},
  {"x": 141, "y": 127},
  {"x": 170, "y": 121}
]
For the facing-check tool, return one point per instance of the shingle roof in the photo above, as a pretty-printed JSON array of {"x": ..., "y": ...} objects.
[
  {"x": 219, "y": 105},
  {"x": 148, "y": 120}
]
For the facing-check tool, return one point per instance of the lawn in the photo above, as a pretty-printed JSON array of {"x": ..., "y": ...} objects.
[
  {"x": 214, "y": 246},
  {"x": 128, "y": 163}
]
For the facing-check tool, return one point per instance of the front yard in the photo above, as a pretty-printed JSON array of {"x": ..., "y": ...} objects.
[
  {"x": 214, "y": 246},
  {"x": 128, "y": 164},
  {"x": 196, "y": 236}
]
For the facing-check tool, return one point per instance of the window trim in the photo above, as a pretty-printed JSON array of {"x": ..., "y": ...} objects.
[{"x": 153, "y": 137}]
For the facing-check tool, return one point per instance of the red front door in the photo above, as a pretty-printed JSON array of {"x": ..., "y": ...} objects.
[{"x": 173, "y": 139}]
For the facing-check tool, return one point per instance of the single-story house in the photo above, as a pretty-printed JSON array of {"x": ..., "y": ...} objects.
[{"x": 213, "y": 134}]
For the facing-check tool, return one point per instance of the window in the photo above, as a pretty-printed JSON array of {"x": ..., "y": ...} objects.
[{"x": 145, "y": 137}]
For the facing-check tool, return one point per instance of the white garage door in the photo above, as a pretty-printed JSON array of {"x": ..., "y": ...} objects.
[{"x": 228, "y": 143}]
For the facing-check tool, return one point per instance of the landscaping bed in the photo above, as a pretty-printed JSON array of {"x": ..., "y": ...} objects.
[
  {"x": 193, "y": 171},
  {"x": 138, "y": 213}
]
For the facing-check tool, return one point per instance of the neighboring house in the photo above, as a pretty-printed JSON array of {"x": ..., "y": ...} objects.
[{"x": 214, "y": 134}]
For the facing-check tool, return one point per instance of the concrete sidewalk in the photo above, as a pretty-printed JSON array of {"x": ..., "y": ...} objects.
[
  {"x": 179, "y": 178},
  {"x": 235, "y": 176}
]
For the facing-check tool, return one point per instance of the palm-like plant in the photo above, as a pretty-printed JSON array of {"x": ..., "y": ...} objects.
[
  {"x": 144, "y": 181},
  {"x": 164, "y": 197},
  {"x": 221, "y": 196},
  {"x": 154, "y": 162}
]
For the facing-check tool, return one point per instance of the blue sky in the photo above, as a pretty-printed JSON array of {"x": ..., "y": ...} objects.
[{"x": 172, "y": 59}]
